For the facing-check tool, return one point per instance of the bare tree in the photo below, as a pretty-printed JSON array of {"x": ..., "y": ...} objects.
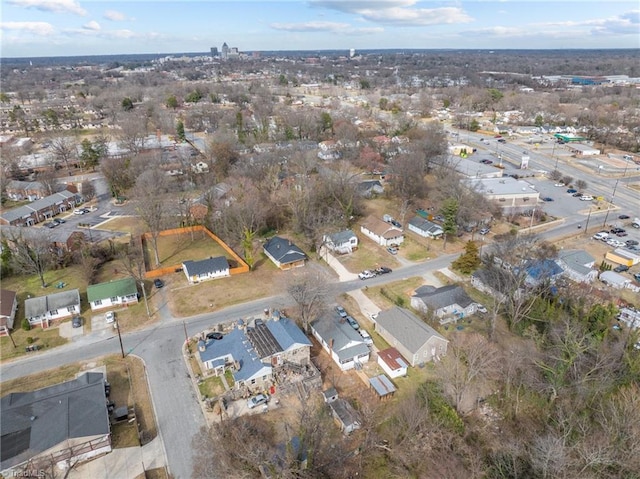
[
  {"x": 133, "y": 132},
  {"x": 310, "y": 291},
  {"x": 151, "y": 188},
  {"x": 31, "y": 252},
  {"x": 119, "y": 175},
  {"x": 471, "y": 359},
  {"x": 63, "y": 149}
]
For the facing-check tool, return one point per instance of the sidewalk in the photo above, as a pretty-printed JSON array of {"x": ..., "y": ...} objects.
[{"x": 342, "y": 272}]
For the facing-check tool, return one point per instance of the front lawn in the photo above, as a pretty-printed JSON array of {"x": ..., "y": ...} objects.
[
  {"x": 397, "y": 293},
  {"x": 369, "y": 255}
]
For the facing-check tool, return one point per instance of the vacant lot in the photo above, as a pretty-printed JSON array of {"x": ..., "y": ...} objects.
[
  {"x": 125, "y": 224},
  {"x": 175, "y": 249}
]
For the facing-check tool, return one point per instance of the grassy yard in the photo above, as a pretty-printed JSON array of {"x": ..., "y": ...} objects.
[
  {"x": 177, "y": 248},
  {"x": 125, "y": 224},
  {"x": 392, "y": 293},
  {"x": 211, "y": 387},
  {"x": 44, "y": 338},
  {"x": 369, "y": 255},
  {"x": 187, "y": 300}
]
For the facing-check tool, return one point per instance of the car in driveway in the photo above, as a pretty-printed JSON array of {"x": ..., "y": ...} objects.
[
  {"x": 257, "y": 400},
  {"x": 368, "y": 340},
  {"x": 352, "y": 322},
  {"x": 392, "y": 250},
  {"x": 110, "y": 316},
  {"x": 76, "y": 322},
  {"x": 484, "y": 231},
  {"x": 215, "y": 335},
  {"x": 396, "y": 223},
  {"x": 158, "y": 283},
  {"x": 341, "y": 311},
  {"x": 481, "y": 309},
  {"x": 621, "y": 268},
  {"x": 366, "y": 274}
]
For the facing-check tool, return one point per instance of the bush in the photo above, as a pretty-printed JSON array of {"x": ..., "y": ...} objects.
[
  {"x": 25, "y": 324},
  {"x": 30, "y": 340}
]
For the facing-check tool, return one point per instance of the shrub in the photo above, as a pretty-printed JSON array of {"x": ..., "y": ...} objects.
[
  {"x": 25, "y": 324},
  {"x": 30, "y": 340}
]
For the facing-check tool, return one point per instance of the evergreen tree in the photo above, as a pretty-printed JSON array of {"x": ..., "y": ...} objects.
[
  {"x": 180, "y": 131},
  {"x": 469, "y": 261}
]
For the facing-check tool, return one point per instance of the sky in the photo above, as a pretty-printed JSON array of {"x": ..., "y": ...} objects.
[{"x": 42, "y": 28}]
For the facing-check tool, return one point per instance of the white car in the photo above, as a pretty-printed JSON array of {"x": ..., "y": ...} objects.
[
  {"x": 257, "y": 400},
  {"x": 366, "y": 274},
  {"x": 481, "y": 309},
  {"x": 368, "y": 340},
  {"x": 110, "y": 316},
  {"x": 560, "y": 184},
  {"x": 602, "y": 235},
  {"x": 586, "y": 198},
  {"x": 616, "y": 243}
]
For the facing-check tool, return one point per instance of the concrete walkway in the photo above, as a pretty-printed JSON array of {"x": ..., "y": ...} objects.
[
  {"x": 341, "y": 271},
  {"x": 125, "y": 463}
]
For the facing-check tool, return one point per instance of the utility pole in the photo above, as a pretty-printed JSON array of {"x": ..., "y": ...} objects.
[
  {"x": 144, "y": 293},
  {"x": 586, "y": 229},
  {"x": 120, "y": 338}
]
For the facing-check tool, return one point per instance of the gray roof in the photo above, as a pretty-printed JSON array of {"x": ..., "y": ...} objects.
[
  {"x": 24, "y": 185},
  {"x": 407, "y": 328},
  {"x": 205, "y": 266},
  {"x": 341, "y": 237},
  {"x": 347, "y": 342},
  {"x": 425, "y": 225},
  {"x": 436, "y": 298},
  {"x": 577, "y": 260},
  {"x": 283, "y": 250},
  {"x": 33, "y": 422},
  {"x": 41, "y": 204},
  {"x": 34, "y": 307},
  {"x": 382, "y": 385}
]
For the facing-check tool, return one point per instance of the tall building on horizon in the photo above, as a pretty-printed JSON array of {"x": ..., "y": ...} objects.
[
  {"x": 225, "y": 51},
  {"x": 214, "y": 52}
]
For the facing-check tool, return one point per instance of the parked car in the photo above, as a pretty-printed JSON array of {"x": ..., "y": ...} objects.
[
  {"x": 571, "y": 191},
  {"x": 486, "y": 162},
  {"x": 481, "y": 309},
  {"x": 615, "y": 243},
  {"x": 215, "y": 335},
  {"x": 383, "y": 270},
  {"x": 617, "y": 230},
  {"x": 601, "y": 235},
  {"x": 158, "y": 283},
  {"x": 257, "y": 400},
  {"x": 392, "y": 250},
  {"x": 624, "y": 217},
  {"x": 341, "y": 311},
  {"x": 484, "y": 231},
  {"x": 621, "y": 268},
  {"x": 547, "y": 199},
  {"x": 631, "y": 243},
  {"x": 76, "y": 322},
  {"x": 577, "y": 195},
  {"x": 586, "y": 198},
  {"x": 396, "y": 224},
  {"x": 501, "y": 140},
  {"x": 110, "y": 316},
  {"x": 636, "y": 276},
  {"x": 81, "y": 211},
  {"x": 352, "y": 322},
  {"x": 58, "y": 221},
  {"x": 50, "y": 224},
  {"x": 559, "y": 184},
  {"x": 366, "y": 336},
  {"x": 366, "y": 274}
]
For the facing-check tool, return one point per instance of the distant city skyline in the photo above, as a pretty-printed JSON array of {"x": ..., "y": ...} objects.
[{"x": 41, "y": 28}]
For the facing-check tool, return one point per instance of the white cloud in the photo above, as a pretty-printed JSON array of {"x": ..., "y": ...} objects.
[
  {"x": 331, "y": 27},
  {"x": 627, "y": 23},
  {"x": 55, "y": 6},
  {"x": 114, "y": 16},
  {"x": 38, "y": 28},
  {"x": 92, "y": 25},
  {"x": 397, "y": 12}
]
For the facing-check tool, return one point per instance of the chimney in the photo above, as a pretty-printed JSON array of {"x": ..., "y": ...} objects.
[{"x": 202, "y": 346}]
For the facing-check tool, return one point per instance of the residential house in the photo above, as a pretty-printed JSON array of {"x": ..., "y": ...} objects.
[
  {"x": 8, "y": 307},
  {"x": 488, "y": 281},
  {"x": 343, "y": 242},
  {"x": 206, "y": 269},
  {"x": 345, "y": 416},
  {"x": 42, "y": 310},
  {"x": 40, "y": 210},
  {"x": 630, "y": 317},
  {"x": 370, "y": 188},
  {"x": 415, "y": 340},
  {"x": 578, "y": 265},
  {"x": 329, "y": 150},
  {"x": 25, "y": 190},
  {"x": 449, "y": 303},
  {"x": 343, "y": 343},
  {"x": 54, "y": 426},
  {"x": 392, "y": 362},
  {"x": 615, "y": 280},
  {"x": 381, "y": 232},
  {"x": 284, "y": 254},
  {"x": 252, "y": 352},
  {"x": 425, "y": 228},
  {"x": 121, "y": 292},
  {"x": 541, "y": 271}
]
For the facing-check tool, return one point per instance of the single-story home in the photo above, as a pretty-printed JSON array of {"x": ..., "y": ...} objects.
[
  {"x": 251, "y": 352},
  {"x": 120, "y": 292},
  {"x": 8, "y": 307},
  {"x": 392, "y": 363},
  {"x": 425, "y": 228},
  {"x": 615, "y": 280},
  {"x": 42, "y": 310},
  {"x": 415, "y": 340},
  {"x": 370, "y": 188},
  {"x": 381, "y": 232},
  {"x": 343, "y": 242},
  {"x": 49, "y": 426},
  {"x": 343, "y": 343},
  {"x": 344, "y": 415},
  {"x": 284, "y": 254},
  {"x": 539, "y": 271},
  {"x": 449, "y": 302},
  {"x": 578, "y": 265},
  {"x": 630, "y": 317},
  {"x": 203, "y": 270}
]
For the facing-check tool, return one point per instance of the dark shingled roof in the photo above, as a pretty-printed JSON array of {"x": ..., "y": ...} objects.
[{"x": 205, "y": 266}]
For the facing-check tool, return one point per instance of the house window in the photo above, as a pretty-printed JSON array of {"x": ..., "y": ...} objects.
[
  {"x": 54, "y": 311},
  {"x": 253, "y": 381},
  {"x": 264, "y": 378},
  {"x": 114, "y": 299},
  {"x": 97, "y": 302},
  {"x": 71, "y": 309}
]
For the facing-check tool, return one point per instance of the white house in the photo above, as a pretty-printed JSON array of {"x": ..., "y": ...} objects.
[
  {"x": 44, "y": 309},
  {"x": 206, "y": 269},
  {"x": 343, "y": 242},
  {"x": 425, "y": 228},
  {"x": 343, "y": 343},
  {"x": 381, "y": 232},
  {"x": 578, "y": 265},
  {"x": 615, "y": 280},
  {"x": 113, "y": 293},
  {"x": 392, "y": 363}
]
